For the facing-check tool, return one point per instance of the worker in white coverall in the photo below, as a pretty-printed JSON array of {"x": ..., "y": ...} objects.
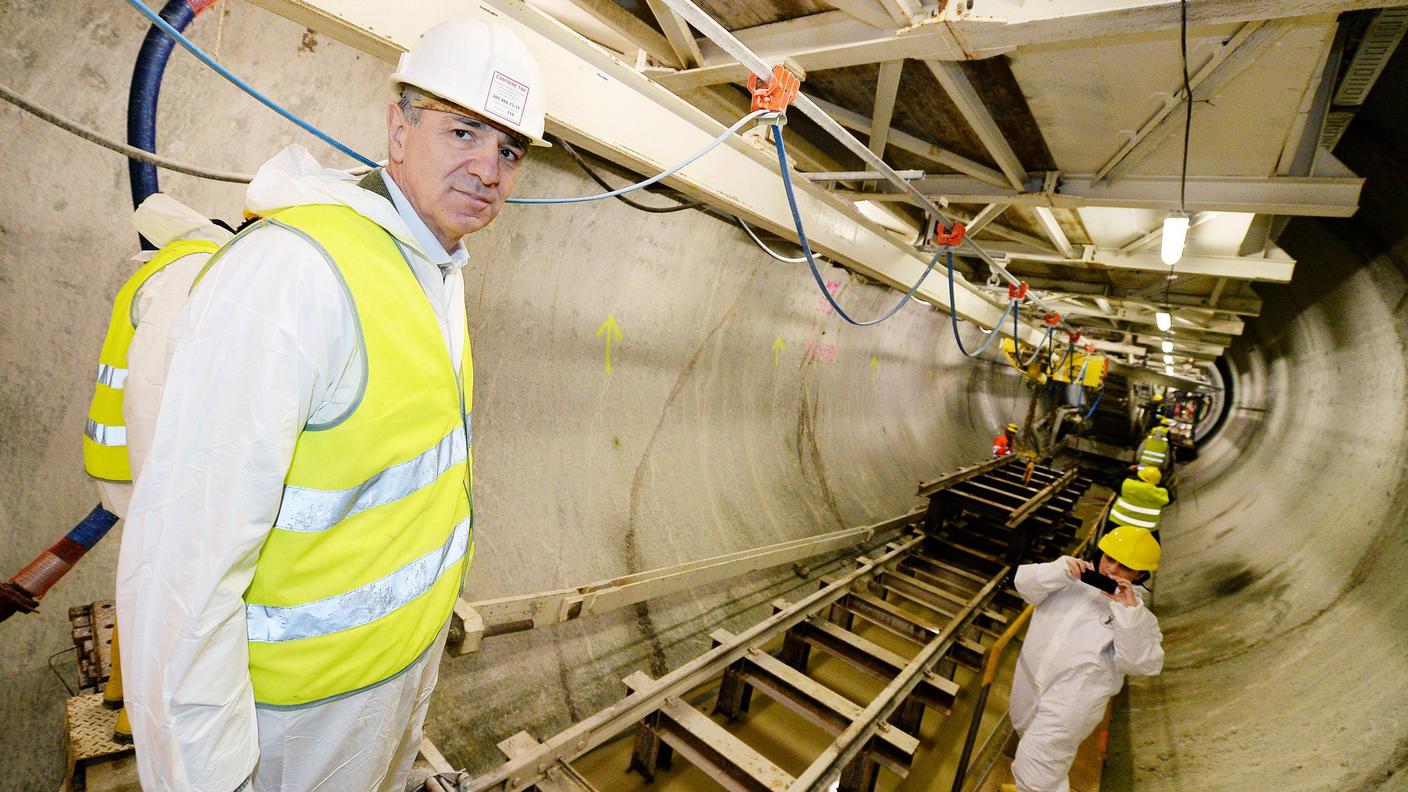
[
  {"x": 132, "y": 365},
  {"x": 1081, "y": 644},
  {"x": 303, "y": 523}
]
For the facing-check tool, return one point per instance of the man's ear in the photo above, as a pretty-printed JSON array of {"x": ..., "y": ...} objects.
[{"x": 396, "y": 129}]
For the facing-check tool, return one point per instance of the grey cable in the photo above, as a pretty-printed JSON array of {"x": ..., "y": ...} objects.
[{"x": 89, "y": 135}]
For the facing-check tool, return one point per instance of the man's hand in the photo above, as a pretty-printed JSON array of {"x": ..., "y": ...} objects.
[
  {"x": 1076, "y": 566},
  {"x": 1124, "y": 595}
]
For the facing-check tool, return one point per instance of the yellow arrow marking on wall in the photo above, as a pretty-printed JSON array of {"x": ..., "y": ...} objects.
[
  {"x": 777, "y": 346},
  {"x": 612, "y": 332},
  {"x": 874, "y": 367}
]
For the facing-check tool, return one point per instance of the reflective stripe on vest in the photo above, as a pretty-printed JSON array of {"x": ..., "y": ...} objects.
[
  {"x": 375, "y": 530},
  {"x": 1140, "y": 504},
  {"x": 105, "y": 438}
]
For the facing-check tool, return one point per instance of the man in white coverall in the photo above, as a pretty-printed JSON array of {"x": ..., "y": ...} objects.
[
  {"x": 1081, "y": 644},
  {"x": 303, "y": 523}
]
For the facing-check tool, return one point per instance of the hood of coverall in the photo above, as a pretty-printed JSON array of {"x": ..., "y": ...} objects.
[{"x": 294, "y": 178}]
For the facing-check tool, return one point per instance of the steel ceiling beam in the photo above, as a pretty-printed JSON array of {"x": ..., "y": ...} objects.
[
  {"x": 1276, "y": 269},
  {"x": 1144, "y": 317},
  {"x": 1052, "y": 228},
  {"x": 629, "y": 27},
  {"x": 1333, "y": 192},
  {"x": 970, "y": 105},
  {"x": 599, "y": 103},
  {"x": 903, "y": 140},
  {"x": 887, "y": 89},
  {"x": 677, "y": 32}
]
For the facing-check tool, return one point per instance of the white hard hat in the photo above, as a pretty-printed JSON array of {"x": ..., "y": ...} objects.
[{"x": 480, "y": 66}]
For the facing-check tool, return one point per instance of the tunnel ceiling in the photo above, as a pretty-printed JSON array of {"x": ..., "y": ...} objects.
[{"x": 1067, "y": 96}]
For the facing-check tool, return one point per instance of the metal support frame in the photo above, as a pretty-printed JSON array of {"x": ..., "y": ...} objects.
[
  {"x": 878, "y": 734},
  {"x": 473, "y": 621},
  {"x": 602, "y": 104}
]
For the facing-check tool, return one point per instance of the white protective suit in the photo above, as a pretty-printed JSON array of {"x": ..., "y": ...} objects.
[
  {"x": 1074, "y": 659},
  {"x": 162, "y": 220},
  {"x": 265, "y": 344}
]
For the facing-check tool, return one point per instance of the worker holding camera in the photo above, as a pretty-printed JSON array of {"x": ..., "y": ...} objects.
[{"x": 1089, "y": 630}]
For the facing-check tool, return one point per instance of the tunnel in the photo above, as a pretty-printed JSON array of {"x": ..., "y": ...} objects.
[{"x": 735, "y": 410}]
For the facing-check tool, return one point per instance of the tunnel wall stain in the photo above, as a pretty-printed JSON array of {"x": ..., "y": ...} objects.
[{"x": 696, "y": 444}]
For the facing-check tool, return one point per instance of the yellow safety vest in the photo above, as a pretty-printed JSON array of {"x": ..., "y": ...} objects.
[
  {"x": 1139, "y": 504},
  {"x": 374, "y": 533},
  {"x": 105, "y": 437},
  {"x": 1155, "y": 451}
]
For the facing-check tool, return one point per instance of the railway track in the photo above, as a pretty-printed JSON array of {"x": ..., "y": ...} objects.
[{"x": 941, "y": 585}]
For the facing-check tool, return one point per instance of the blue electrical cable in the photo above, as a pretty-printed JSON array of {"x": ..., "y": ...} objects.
[
  {"x": 1036, "y": 353},
  {"x": 1091, "y": 412},
  {"x": 241, "y": 84},
  {"x": 718, "y": 141},
  {"x": 807, "y": 247},
  {"x": 953, "y": 317}
]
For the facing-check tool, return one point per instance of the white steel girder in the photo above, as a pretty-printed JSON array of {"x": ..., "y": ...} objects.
[
  {"x": 1333, "y": 194},
  {"x": 597, "y": 102},
  {"x": 836, "y": 39},
  {"x": 1276, "y": 268},
  {"x": 1145, "y": 317}
]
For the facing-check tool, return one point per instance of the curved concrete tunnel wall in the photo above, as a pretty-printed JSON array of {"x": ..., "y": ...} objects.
[
  {"x": 698, "y": 443},
  {"x": 1283, "y": 603}
]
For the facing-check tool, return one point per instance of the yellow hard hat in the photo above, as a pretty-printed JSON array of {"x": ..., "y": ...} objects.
[
  {"x": 1158, "y": 397},
  {"x": 1134, "y": 547},
  {"x": 1150, "y": 474},
  {"x": 1011, "y": 427}
]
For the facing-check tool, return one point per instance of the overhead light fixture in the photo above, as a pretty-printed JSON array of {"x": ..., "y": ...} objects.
[
  {"x": 1168, "y": 369},
  {"x": 1163, "y": 320},
  {"x": 1175, "y": 235},
  {"x": 1167, "y": 346},
  {"x": 1168, "y": 359}
]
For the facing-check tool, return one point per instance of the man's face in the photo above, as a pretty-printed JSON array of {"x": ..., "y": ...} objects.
[
  {"x": 456, "y": 170},
  {"x": 1109, "y": 567}
]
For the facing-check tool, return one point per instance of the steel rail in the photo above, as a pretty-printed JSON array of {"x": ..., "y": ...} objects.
[
  {"x": 481, "y": 619},
  {"x": 1021, "y": 513},
  {"x": 827, "y": 767},
  {"x": 963, "y": 474},
  {"x": 522, "y": 772},
  {"x": 729, "y": 43}
]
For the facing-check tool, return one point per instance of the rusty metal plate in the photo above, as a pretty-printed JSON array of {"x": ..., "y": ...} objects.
[
  {"x": 89, "y": 726},
  {"x": 93, "y": 626}
]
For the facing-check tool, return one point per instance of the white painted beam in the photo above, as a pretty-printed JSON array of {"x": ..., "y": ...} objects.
[
  {"x": 1312, "y": 196},
  {"x": 887, "y": 88},
  {"x": 1049, "y": 226},
  {"x": 608, "y": 13},
  {"x": 678, "y": 33},
  {"x": 988, "y": 214},
  {"x": 965, "y": 97},
  {"x": 903, "y": 140},
  {"x": 867, "y": 11},
  {"x": 858, "y": 34},
  {"x": 1145, "y": 317},
  {"x": 598, "y": 102},
  {"x": 1277, "y": 269},
  {"x": 830, "y": 40}
]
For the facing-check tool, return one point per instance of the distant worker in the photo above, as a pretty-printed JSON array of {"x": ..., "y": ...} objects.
[
  {"x": 132, "y": 367},
  {"x": 1154, "y": 449},
  {"x": 1081, "y": 644},
  {"x": 1005, "y": 443},
  {"x": 1141, "y": 501},
  {"x": 303, "y": 524}
]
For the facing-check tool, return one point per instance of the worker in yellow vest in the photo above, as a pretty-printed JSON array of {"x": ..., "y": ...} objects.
[
  {"x": 132, "y": 367},
  {"x": 1154, "y": 450},
  {"x": 303, "y": 524},
  {"x": 1141, "y": 501}
]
